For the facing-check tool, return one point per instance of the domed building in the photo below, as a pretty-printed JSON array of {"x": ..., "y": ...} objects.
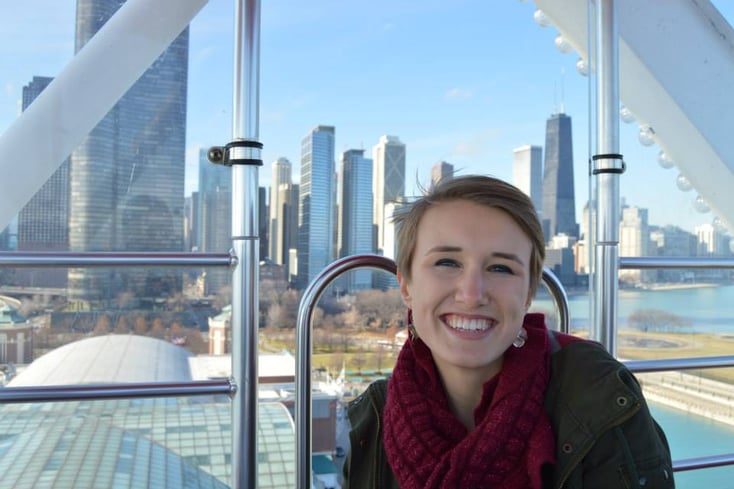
[{"x": 131, "y": 443}]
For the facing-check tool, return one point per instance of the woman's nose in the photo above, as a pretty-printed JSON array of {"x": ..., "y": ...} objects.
[{"x": 472, "y": 288}]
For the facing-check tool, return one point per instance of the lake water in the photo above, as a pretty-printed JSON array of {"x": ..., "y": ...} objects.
[
  {"x": 693, "y": 436},
  {"x": 709, "y": 310}
]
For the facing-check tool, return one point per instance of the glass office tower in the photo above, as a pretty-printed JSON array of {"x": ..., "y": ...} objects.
[
  {"x": 316, "y": 211},
  {"x": 355, "y": 214},
  {"x": 559, "y": 208},
  {"x": 127, "y": 177}
]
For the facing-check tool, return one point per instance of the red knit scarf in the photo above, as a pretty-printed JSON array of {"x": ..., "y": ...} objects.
[{"x": 428, "y": 447}]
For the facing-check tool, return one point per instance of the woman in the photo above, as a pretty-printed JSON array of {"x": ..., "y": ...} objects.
[{"x": 482, "y": 394}]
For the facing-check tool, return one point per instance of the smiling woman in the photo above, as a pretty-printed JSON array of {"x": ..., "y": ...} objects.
[{"x": 483, "y": 394}]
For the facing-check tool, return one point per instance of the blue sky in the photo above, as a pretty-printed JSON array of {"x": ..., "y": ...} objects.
[{"x": 460, "y": 81}]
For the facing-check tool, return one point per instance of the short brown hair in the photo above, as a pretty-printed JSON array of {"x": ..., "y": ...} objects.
[{"x": 482, "y": 190}]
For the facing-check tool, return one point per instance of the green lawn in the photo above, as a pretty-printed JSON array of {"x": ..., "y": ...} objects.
[
  {"x": 672, "y": 345},
  {"x": 632, "y": 345}
]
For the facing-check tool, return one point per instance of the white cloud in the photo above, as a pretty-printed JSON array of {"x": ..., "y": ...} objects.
[{"x": 458, "y": 94}]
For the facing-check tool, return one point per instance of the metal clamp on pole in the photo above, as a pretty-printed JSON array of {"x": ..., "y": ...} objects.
[
  {"x": 242, "y": 152},
  {"x": 608, "y": 163}
]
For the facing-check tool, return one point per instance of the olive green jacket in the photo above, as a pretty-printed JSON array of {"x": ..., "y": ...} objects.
[{"x": 605, "y": 435}]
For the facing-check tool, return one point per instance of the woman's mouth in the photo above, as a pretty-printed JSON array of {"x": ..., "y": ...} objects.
[{"x": 463, "y": 323}]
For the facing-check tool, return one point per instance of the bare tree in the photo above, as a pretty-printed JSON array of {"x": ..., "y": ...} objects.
[
  {"x": 195, "y": 342},
  {"x": 141, "y": 325},
  {"x": 102, "y": 326},
  {"x": 657, "y": 320},
  {"x": 157, "y": 329},
  {"x": 380, "y": 308},
  {"x": 122, "y": 326}
]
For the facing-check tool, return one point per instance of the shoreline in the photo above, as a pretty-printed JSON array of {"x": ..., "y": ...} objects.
[
  {"x": 676, "y": 286},
  {"x": 703, "y": 397}
]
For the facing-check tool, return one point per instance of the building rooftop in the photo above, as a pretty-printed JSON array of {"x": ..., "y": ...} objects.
[
  {"x": 109, "y": 358},
  {"x": 269, "y": 366},
  {"x": 138, "y": 443}
]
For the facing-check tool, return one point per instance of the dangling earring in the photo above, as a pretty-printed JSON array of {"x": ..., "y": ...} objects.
[
  {"x": 522, "y": 337},
  {"x": 412, "y": 334}
]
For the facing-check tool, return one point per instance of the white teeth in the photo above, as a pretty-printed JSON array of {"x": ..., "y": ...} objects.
[{"x": 467, "y": 324}]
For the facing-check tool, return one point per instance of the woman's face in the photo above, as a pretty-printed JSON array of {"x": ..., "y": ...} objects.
[{"x": 469, "y": 284}]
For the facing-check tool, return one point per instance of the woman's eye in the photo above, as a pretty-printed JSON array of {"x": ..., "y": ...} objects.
[
  {"x": 500, "y": 268},
  {"x": 447, "y": 262}
]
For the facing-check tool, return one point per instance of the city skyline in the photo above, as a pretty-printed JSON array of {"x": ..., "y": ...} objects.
[{"x": 500, "y": 78}]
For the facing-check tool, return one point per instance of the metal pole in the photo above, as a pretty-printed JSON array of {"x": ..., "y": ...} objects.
[
  {"x": 303, "y": 352},
  {"x": 243, "y": 153},
  {"x": 668, "y": 262},
  {"x": 55, "y": 393},
  {"x": 61, "y": 259},
  {"x": 607, "y": 165}
]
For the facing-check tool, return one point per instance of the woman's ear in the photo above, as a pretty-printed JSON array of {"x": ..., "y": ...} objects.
[{"x": 404, "y": 289}]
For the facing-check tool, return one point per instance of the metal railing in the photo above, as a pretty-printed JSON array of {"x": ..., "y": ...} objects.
[
  {"x": 110, "y": 259},
  {"x": 97, "y": 392},
  {"x": 643, "y": 366},
  {"x": 308, "y": 303},
  {"x": 114, "y": 391}
]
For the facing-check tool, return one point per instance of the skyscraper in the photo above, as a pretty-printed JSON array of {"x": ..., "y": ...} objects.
[
  {"x": 282, "y": 175},
  {"x": 316, "y": 204},
  {"x": 127, "y": 177},
  {"x": 286, "y": 232},
  {"x": 634, "y": 240},
  {"x": 388, "y": 181},
  {"x": 712, "y": 240},
  {"x": 559, "y": 208},
  {"x": 527, "y": 173},
  {"x": 441, "y": 170},
  {"x": 43, "y": 222},
  {"x": 355, "y": 213},
  {"x": 263, "y": 230},
  {"x": 213, "y": 179},
  {"x": 214, "y": 217}
]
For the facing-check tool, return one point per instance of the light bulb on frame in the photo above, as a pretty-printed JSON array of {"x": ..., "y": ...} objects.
[
  {"x": 647, "y": 135},
  {"x": 582, "y": 67},
  {"x": 540, "y": 18},
  {"x": 626, "y": 115},
  {"x": 683, "y": 184},
  {"x": 562, "y": 45},
  {"x": 701, "y": 205},
  {"x": 664, "y": 160}
]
